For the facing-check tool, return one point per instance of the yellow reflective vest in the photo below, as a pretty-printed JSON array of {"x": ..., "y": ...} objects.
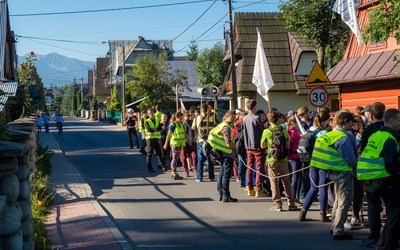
[
  {"x": 142, "y": 120},
  {"x": 216, "y": 139},
  {"x": 178, "y": 137},
  {"x": 155, "y": 134},
  {"x": 325, "y": 156},
  {"x": 371, "y": 164}
]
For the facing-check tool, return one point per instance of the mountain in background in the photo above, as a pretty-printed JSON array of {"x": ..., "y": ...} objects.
[{"x": 60, "y": 70}]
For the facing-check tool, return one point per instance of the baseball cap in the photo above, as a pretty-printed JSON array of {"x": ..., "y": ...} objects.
[{"x": 367, "y": 109}]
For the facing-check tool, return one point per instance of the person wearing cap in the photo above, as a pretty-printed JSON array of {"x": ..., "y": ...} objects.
[
  {"x": 336, "y": 153},
  {"x": 130, "y": 122},
  {"x": 367, "y": 114},
  {"x": 304, "y": 115}
]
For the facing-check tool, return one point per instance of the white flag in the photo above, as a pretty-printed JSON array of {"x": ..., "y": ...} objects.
[
  {"x": 183, "y": 109},
  {"x": 348, "y": 12},
  {"x": 262, "y": 75}
]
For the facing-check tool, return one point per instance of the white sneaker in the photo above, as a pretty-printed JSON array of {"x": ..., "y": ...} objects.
[{"x": 347, "y": 225}]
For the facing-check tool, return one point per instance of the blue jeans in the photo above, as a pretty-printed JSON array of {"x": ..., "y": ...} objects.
[
  {"x": 296, "y": 177},
  {"x": 242, "y": 160},
  {"x": 318, "y": 178},
  {"x": 225, "y": 174},
  {"x": 201, "y": 158}
]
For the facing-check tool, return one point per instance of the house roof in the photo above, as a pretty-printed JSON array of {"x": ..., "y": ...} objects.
[
  {"x": 275, "y": 40},
  {"x": 365, "y": 68},
  {"x": 297, "y": 47},
  {"x": 9, "y": 88}
]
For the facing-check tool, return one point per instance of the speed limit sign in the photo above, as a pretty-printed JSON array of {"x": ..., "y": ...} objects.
[{"x": 318, "y": 97}]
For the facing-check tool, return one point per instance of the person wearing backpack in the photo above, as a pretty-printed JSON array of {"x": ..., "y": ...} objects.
[
  {"x": 276, "y": 140},
  {"x": 203, "y": 124},
  {"x": 317, "y": 176}
]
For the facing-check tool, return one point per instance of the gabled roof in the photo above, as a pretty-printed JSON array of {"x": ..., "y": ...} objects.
[
  {"x": 369, "y": 67},
  {"x": 297, "y": 47},
  {"x": 275, "y": 40}
]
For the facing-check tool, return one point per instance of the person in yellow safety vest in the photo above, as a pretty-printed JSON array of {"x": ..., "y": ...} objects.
[
  {"x": 336, "y": 152},
  {"x": 378, "y": 168},
  {"x": 142, "y": 131},
  {"x": 177, "y": 137},
  {"x": 158, "y": 113},
  {"x": 153, "y": 141},
  {"x": 221, "y": 139}
]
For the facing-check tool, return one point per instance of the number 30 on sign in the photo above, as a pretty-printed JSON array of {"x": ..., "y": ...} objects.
[{"x": 318, "y": 97}]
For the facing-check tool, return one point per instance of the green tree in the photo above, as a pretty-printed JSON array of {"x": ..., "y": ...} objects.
[
  {"x": 30, "y": 93},
  {"x": 115, "y": 103},
  {"x": 384, "y": 22},
  {"x": 319, "y": 26},
  {"x": 210, "y": 67},
  {"x": 95, "y": 102},
  {"x": 193, "y": 52},
  {"x": 155, "y": 80}
]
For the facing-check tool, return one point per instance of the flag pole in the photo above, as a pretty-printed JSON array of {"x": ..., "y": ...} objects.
[{"x": 269, "y": 102}]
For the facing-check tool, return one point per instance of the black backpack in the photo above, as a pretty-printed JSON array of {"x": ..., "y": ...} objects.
[
  {"x": 278, "y": 148},
  {"x": 306, "y": 146}
]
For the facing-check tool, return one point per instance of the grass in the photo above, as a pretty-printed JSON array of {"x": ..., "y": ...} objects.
[{"x": 41, "y": 197}]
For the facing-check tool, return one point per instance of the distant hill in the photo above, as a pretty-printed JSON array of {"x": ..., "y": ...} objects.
[{"x": 59, "y": 70}]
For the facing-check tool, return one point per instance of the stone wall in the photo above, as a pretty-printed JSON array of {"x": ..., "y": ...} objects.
[{"x": 17, "y": 162}]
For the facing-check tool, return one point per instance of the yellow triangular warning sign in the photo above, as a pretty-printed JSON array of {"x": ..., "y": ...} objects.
[{"x": 317, "y": 77}]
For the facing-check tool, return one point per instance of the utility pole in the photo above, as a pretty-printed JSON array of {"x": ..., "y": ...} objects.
[
  {"x": 233, "y": 66},
  {"x": 82, "y": 115},
  {"x": 123, "y": 78}
]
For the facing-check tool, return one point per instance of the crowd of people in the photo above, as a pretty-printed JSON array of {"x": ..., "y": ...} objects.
[{"x": 339, "y": 157}]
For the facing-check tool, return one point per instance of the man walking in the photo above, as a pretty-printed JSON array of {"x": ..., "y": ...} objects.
[
  {"x": 130, "y": 122},
  {"x": 153, "y": 137}
]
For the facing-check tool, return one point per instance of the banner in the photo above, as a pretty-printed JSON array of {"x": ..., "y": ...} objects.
[
  {"x": 262, "y": 75},
  {"x": 348, "y": 13}
]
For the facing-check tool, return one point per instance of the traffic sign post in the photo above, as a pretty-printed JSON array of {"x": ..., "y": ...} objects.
[
  {"x": 318, "y": 97},
  {"x": 317, "y": 77}
]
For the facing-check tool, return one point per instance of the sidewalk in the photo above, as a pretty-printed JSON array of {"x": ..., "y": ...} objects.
[{"x": 76, "y": 220}]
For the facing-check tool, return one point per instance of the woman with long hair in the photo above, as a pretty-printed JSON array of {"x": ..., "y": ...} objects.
[
  {"x": 317, "y": 176},
  {"x": 294, "y": 157},
  {"x": 177, "y": 138}
]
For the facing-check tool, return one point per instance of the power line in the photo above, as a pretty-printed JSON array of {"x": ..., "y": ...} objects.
[
  {"x": 60, "y": 40},
  {"x": 106, "y": 10}
]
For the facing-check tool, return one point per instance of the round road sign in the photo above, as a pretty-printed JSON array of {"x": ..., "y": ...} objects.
[{"x": 318, "y": 97}]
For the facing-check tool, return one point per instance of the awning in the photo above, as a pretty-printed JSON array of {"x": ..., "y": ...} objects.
[{"x": 9, "y": 89}]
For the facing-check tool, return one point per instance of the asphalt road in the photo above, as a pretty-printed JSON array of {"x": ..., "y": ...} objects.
[{"x": 154, "y": 212}]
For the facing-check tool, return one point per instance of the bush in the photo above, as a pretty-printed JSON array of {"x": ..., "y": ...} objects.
[{"x": 41, "y": 197}]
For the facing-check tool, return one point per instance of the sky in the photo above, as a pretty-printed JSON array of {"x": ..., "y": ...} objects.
[{"x": 81, "y": 29}]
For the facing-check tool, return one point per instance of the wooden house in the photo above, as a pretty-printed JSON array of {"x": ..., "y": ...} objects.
[
  {"x": 289, "y": 58},
  {"x": 367, "y": 73}
]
